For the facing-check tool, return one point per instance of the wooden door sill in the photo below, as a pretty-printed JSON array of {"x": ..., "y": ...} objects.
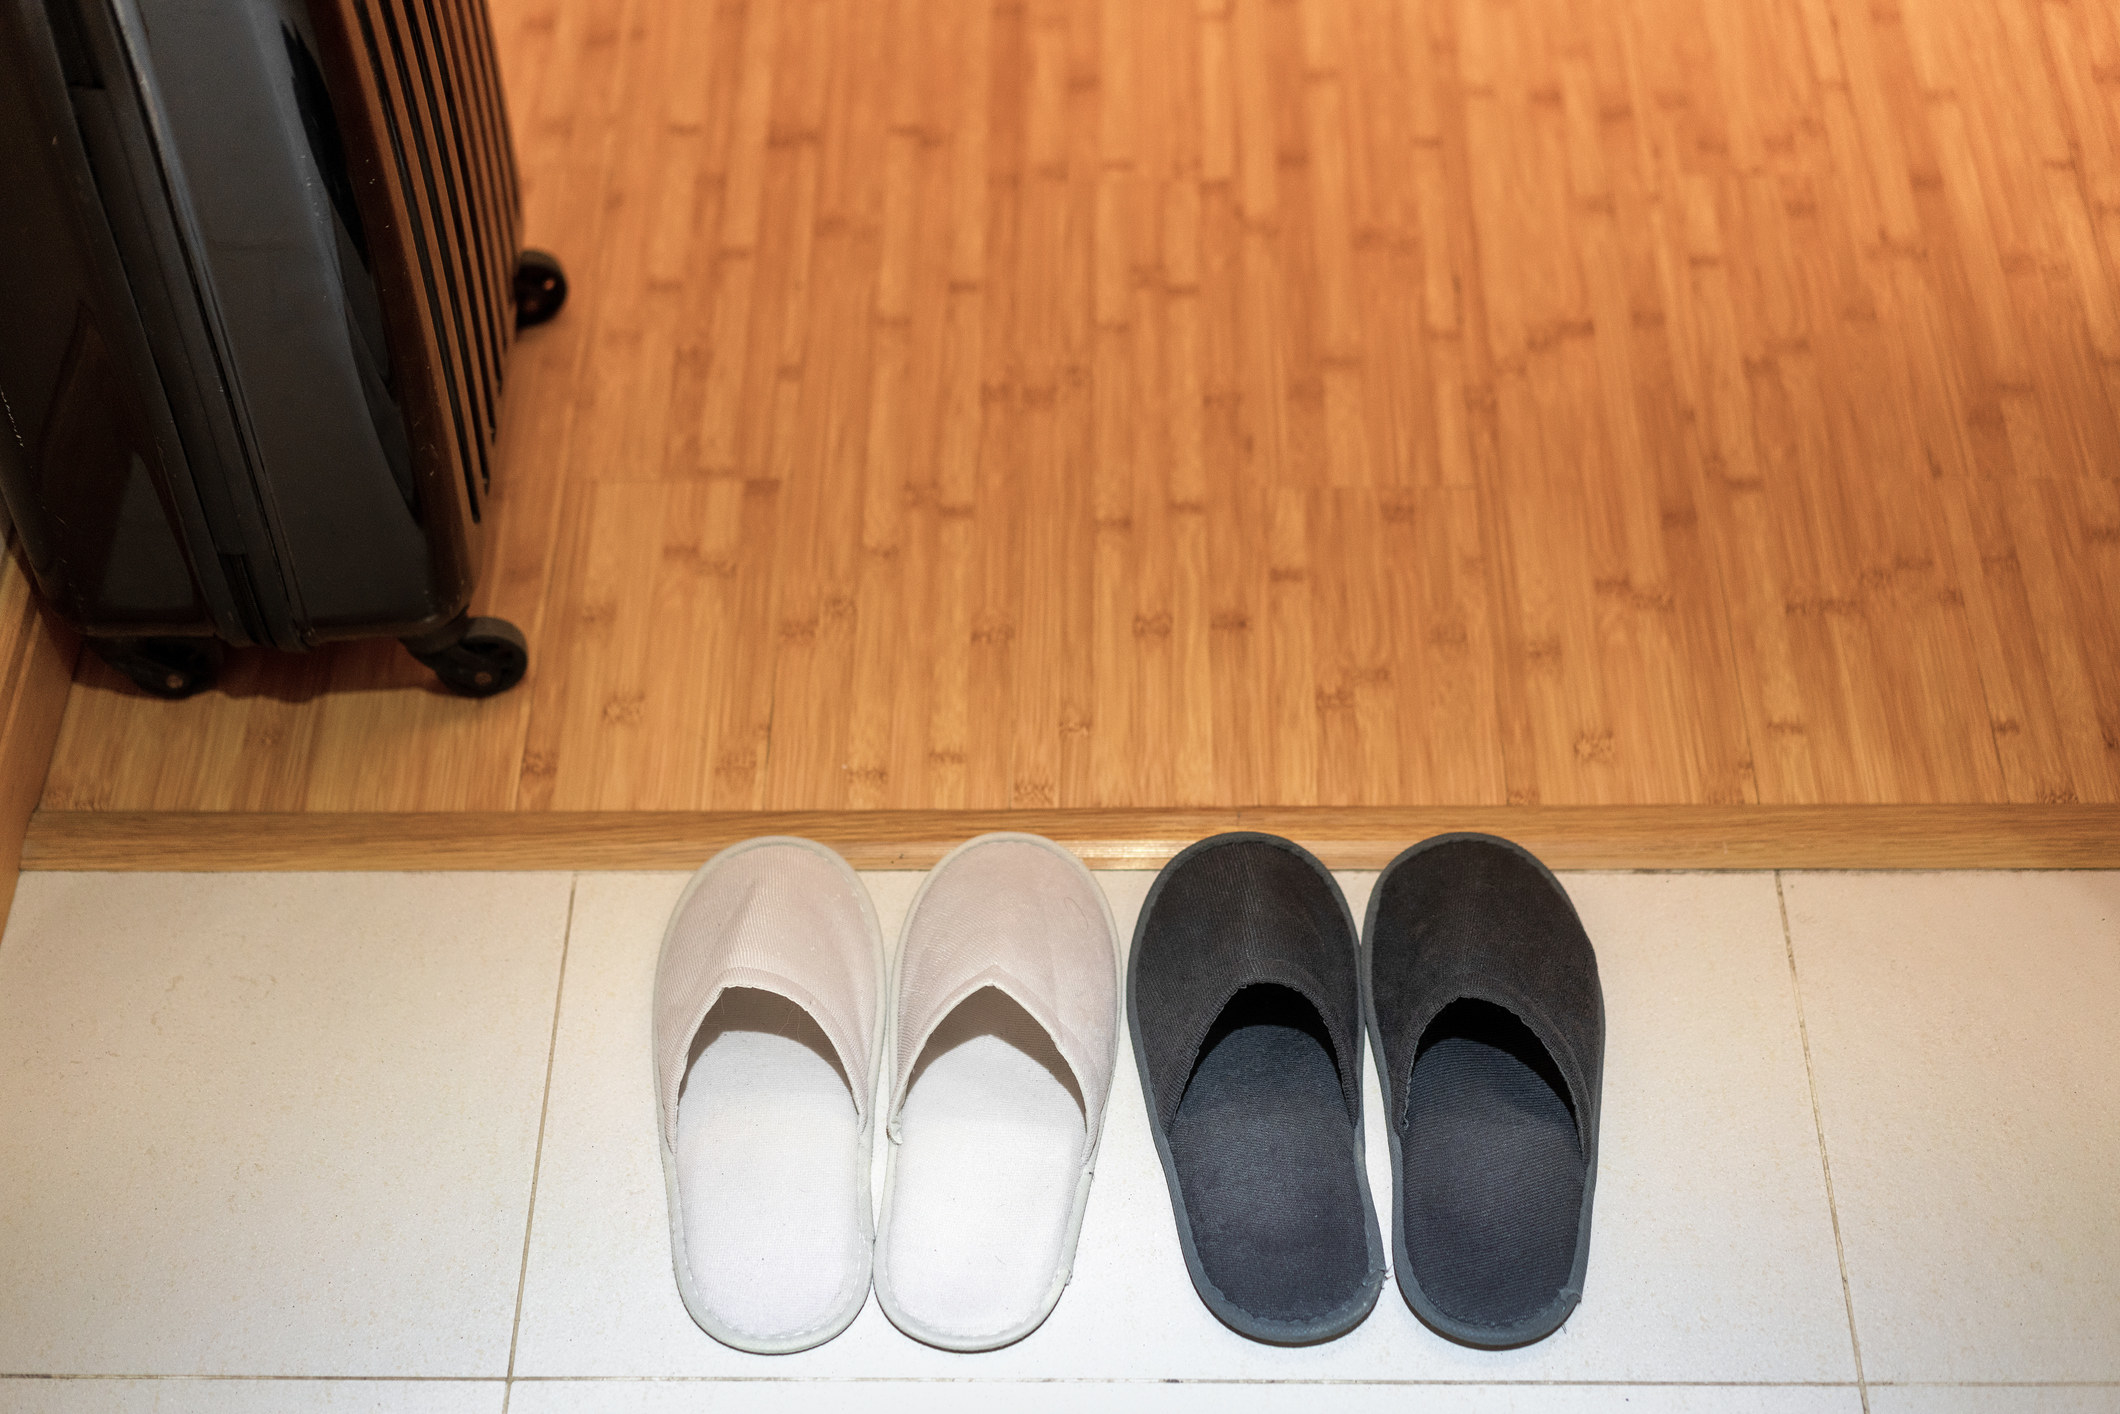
[{"x": 1359, "y": 837}]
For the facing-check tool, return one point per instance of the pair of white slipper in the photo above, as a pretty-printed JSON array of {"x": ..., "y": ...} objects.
[{"x": 779, "y": 1032}]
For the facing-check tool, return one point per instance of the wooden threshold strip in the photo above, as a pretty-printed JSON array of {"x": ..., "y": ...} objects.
[{"x": 1568, "y": 837}]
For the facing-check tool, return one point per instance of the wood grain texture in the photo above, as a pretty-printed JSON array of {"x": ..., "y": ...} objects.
[
  {"x": 984, "y": 404},
  {"x": 1565, "y": 836},
  {"x": 36, "y": 666}
]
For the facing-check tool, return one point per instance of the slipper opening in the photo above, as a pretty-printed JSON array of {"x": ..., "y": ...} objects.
[
  {"x": 768, "y": 1156},
  {"x": 991, "y": 1139},
  {"x": 1494, "y": 1169},
  {"x": 1264, "y": 1150}
]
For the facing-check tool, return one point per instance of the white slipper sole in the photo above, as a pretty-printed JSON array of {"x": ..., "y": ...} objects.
[
  {"x": 989, "y": 1164},
  {"x": 772, "y": 1231}
]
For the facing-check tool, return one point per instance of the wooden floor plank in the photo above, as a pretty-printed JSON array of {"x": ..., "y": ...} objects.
[{"x": 1083, "y": 403}]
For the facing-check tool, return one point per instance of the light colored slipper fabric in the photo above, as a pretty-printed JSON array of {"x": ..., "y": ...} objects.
[
  {"x": 767, "y": 1040},
  {"x": 1004, "y": 1031}
]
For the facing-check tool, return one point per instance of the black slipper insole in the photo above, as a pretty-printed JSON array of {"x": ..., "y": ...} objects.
[
  {"x": 1265, "y": 1155},
  {"x": 1493, "y": 1168}
]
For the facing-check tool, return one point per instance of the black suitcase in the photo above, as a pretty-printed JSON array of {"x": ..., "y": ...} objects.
[{"x": 259, "y": 277}]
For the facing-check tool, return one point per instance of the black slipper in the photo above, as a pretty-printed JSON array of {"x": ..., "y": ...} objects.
[
  {"x": 1243, "y": 996},
  {"x": 1489, "y": 1028}
]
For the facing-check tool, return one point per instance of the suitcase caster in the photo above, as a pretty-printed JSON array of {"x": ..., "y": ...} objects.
[
  {"x": 540, "y": 288},
  {"x": 174, "y": 668},
  {"x": 474, "y": 657}
]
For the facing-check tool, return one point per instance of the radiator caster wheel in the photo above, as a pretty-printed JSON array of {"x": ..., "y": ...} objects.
[
  {"x": 540, "y": 287},
  {"x": 173, "y": 668},
  {"x": 475, "y": 657}
]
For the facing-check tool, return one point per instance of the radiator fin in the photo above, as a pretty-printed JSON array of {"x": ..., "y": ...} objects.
[{"x": 433, "y": 66}]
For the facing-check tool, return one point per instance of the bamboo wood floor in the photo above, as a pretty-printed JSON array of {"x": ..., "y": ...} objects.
[{"x": 1053, "y": 403}]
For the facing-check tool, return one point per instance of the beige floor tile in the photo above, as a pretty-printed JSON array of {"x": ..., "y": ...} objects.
[
  {"x": 1962, "y": 1035},
  {"x": 1991, "y": 1399},
  {"x": 270, "y": 1123},
  {"x": 606, "y": 1299},
  {"x": 128, "y": 1396},
  {"x": 1066, "y": 1396},
  {"x": 1713, "y": 1257}
]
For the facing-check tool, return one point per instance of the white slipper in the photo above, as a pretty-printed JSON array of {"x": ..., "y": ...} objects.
[
  {"x": 767, "y": 1043},
  {"x": 1004, "y": 1026}
]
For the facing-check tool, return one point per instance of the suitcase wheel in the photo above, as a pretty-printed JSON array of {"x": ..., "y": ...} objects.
[
  {"x": 165, "y": 667},
  {"x": 540, "y": 288},
  {"x": 475, "y": 657}
]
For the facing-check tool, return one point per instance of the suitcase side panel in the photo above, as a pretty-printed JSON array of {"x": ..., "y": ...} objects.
[
  {"x": 369, "y": 538},
  {"x": 91, "y": 466}
]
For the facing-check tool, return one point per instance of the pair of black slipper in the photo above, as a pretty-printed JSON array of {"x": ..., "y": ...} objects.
[{"x": 1247, "y": 995}]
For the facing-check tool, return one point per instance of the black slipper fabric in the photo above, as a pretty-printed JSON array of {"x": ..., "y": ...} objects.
[
  {"x": 1243, "y": 995},
  {"x": 1489, "y": 1027}
]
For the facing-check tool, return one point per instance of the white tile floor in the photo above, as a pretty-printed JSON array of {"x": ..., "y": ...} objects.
[{"x": 364, "y": 1141}]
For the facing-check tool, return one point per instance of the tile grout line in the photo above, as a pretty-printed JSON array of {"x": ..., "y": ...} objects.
[
  {"x": 1818, "y": 1126},
  {"x": 1101, "y": 1381},
  {"x": 537, "y": 1163},
  {"x": 230, "y": 1379}
]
